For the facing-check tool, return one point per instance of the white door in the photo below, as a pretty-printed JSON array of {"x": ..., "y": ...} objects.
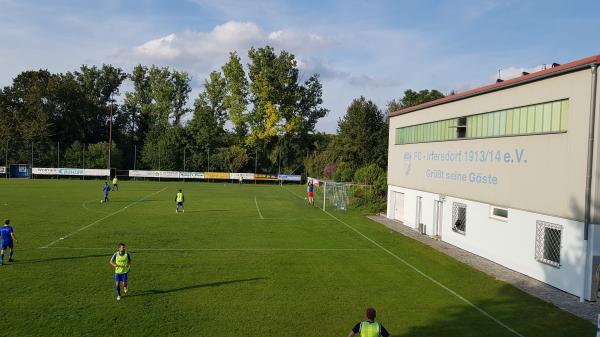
[
  {"x": 437, "y": 217},
  {"x": 399, "y": 206}
]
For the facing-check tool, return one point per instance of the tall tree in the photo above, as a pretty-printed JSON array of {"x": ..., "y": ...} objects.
[
  {"x": 362, "y": 134},
  {"x": 236, "y": 99}
]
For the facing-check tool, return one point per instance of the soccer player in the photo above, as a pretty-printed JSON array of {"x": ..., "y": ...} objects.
[
  {"x": 115, "y": 184},
  {"x": 121, "y": 261},
  {"x": 369, "y": 328},
  {"x": 310, "y": 192},
  {"x": 8, "y": 237},
  {"x": 106, "y": 190},
  {"x": 179, "y": 199}
]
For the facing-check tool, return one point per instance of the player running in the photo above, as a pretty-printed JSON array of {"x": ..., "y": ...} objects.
[
  {"x": 179, "y": 199},
  {"x": 310, "y": 192},
  {"x": 369, "y": 328},
  {"x": 115, "y": 182},
  {"x": 106, "y": 190},
  {"x": 8, "y": 237},
  {"x": 121, "y": 261}
]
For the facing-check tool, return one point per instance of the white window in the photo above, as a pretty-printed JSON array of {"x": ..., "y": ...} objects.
[
  {"x": 459, "y": 217},
  {"x": 498, "y": 213},
  {"x": 548, "y": 243}
]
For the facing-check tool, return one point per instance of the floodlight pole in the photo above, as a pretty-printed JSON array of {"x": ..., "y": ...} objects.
[
  {"x": 110, "y": 118},
  {"x": 6, "y": 159}
]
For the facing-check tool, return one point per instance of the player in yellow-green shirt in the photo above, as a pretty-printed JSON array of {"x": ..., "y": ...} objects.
[
  {"x": 115, "y": 184},
  {"x": 179, "y": 199},
  {"x": 121, "y": 261}
]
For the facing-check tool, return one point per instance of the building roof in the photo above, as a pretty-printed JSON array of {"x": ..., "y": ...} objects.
[{"x": 535, "y": 76}]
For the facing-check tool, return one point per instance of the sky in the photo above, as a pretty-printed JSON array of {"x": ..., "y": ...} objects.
[{"x": 376, "y": 49}]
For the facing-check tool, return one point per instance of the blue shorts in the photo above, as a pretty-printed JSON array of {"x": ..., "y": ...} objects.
[
  {"x": 180, "y": 203},
  {"x": 121, "y": 277},
  {"x": 6, "y": 244}
]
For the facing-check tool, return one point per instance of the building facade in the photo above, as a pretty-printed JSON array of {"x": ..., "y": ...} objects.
[{"x": 509, "y": 172}]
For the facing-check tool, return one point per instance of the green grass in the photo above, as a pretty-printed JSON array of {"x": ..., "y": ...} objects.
[{"x": 221, "y": 270}]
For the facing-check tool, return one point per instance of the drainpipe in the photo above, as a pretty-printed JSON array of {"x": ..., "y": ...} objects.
[{"x": 588, "y": 185}]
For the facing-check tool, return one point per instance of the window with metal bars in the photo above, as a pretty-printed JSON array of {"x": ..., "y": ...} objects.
[
  {"x": 548, "y": 243},
  {"x": 459, "y": 217}
]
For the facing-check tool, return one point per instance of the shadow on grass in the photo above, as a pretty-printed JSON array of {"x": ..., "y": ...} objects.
[
  {"x": 205, "y": 285},
  {"x": 513, "y": 309},
  {"x": 63, "y": 258}
]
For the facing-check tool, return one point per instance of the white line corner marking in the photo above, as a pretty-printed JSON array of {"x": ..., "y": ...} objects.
[{"x": 103, "y": 218}]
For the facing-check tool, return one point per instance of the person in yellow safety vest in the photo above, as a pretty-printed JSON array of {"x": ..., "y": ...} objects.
[
  {"x": 115, "y": 184},
  {"x": 179, "y": 199},
  {"x": 369, "y": 328},
  {"x": 121, "y": 261}
]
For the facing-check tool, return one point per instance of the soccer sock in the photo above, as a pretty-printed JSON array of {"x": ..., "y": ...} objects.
[
  {"x": 1, "y": 257},
  {"x": 10, "y": 255},
  {"x": 118, "y": 290}
]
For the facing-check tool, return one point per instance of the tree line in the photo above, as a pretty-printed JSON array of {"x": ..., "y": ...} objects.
[
  {"x": 262, "y": 114},
  {"x": 259, "y": 116}
]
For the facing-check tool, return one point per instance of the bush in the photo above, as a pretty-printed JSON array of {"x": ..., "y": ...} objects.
[
  {"x": 344, "y": 172},
  {"x": 372, "y": 197}
]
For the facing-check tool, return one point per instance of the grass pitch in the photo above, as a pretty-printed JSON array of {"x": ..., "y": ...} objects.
[{"x": 241, "y": 261}]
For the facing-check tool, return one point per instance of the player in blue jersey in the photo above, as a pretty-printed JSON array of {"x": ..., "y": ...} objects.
[
  {"x": 8, "y": 237},
  {"x": 106, "y": 190}
]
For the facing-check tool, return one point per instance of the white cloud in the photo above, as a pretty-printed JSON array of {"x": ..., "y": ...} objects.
[
  {"x": 513, "y": 72},
  {"x": 161, "y": 48},
  {"x": 210, "y": 48}
]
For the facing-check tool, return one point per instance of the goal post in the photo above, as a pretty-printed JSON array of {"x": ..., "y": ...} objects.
[{"x": 334, "y": 195}]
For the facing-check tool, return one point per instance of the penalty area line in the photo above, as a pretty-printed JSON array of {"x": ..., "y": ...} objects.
[
  {"x": 103, "y": 218},
  {"x": 418, "y": 271}
]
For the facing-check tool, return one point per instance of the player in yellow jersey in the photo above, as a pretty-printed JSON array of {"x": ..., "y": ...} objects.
[
  {"x": 369, "y": 328},
  {"x": 179, "y": 199},
  {"x": 121, "y": 261}
]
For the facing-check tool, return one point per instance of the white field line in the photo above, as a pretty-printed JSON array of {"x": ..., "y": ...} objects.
[
  {"x": 418, "y": 271},
  {"x": 258, "y": 209},
  {"x": 103, "y": 218},
  {"x": 219, "y": 249}
]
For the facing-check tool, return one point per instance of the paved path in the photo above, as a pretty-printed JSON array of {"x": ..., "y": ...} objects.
[{"x": 557, "y": 297}]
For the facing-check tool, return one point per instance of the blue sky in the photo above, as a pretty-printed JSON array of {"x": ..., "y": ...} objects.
[{"x": 372, "y": 48}]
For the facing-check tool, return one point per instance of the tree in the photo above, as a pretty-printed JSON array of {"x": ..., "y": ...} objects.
[
  {"x": 362, "y": 135},
  {"x": 412, "y": 97},
  {"x": 236, "y": 98},
  {"x": 232, "y": 158}
]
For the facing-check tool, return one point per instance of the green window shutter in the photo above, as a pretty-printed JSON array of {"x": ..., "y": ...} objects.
[
  {"x": 484, "y": 125},
  {"x": 496, "y": 123},
  {"x": 531, "y": 119},
  {"x": 564, "y": 113},
  {"x": 516, "y": 121},
  {"x": 502, "y": 123},
  {"x": 555, "y": 123},
  {"x": 509, "y": 122},
  {"x": 523, "y": 121},
  {"x": 539, "y": 117},
  {"x": 547, "y": 121}
]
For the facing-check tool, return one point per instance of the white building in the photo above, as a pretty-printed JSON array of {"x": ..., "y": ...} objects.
[{"x": 509, "y": 172}]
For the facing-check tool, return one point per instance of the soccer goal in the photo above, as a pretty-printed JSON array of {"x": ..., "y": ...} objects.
[{"x": 334, "y": 195}]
